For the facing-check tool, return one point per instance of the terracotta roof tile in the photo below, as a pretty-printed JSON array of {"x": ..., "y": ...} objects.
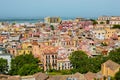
[
  {"x": 112, "y": 65},
  {"x": 40, "y": 76},
  {"x": 90, "y": 76},
  {"x": 35, "y": 43}
]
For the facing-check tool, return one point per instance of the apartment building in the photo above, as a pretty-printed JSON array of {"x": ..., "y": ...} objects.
[{"x": 112, "y": 20}]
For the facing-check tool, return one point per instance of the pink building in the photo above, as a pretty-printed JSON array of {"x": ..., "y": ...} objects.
[
  {"x": 36, "y": 50},
  {"x": 49, "y": 61},
  {"x": 49, "y": 57}
]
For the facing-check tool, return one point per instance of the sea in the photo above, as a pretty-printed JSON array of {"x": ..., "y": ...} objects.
[
  {"x": 30, "y": 20},
  {"x": 22, "y": 20},
  {"x": 25, "y": 20}
]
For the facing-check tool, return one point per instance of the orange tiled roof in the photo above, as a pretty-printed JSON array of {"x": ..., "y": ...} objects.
[
  {"x": 35, "y": 43},
  {"x": 90, "y": 76},
  {"x": 112, "y": 65},
  {"x": 49, "y": 49}
]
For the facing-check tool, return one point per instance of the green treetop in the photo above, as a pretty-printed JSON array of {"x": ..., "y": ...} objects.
[
  {"x": 3, "y": 66},
  {"x": 24, "y": 65}
]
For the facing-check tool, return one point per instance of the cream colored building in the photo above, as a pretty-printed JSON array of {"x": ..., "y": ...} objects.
[
  {"x": 113, "y": 20},
  {"x": 63, "y": 64},
  {"x": 99, "y": 32}
]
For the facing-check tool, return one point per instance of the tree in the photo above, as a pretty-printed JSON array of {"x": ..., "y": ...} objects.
[
  {"x": 28, "y": 69},
  {"x": 104, "y": 44},
  {"x": 79, "y": 61},
  {"x": 114, "y": 55},
  {"x": 107, "y": 21},
  {"x": 95, "y": 63},
  {"x": 3, "y": 66},
  {"x": 24, "y": 64},
  {"x": 101, "y": 22},
  {"x": 116, "y": 26},
  {"x": 117, "y": 76},
  {"x": 52, "y": 27},
  {"x": 2, "y": 23},
  {"x": 94, "y": 21},
  {"x": 13, "y": 23}
]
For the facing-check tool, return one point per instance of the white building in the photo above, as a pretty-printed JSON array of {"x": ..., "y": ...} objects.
[
  {"x": 112, "y": 19},
  {"x": 5, "y": 55},
  {"x": 99, "y": 33}
]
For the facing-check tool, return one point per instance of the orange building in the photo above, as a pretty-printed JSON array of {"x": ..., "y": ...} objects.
[{"x": 110, "y": 33}]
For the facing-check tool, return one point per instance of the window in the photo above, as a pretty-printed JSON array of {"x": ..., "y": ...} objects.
[
  {"x": 24, "y": 52},
  {"x": 94, "y": 48},
  {"x": 72, "y": 49},
  {"x": 52, "y": 56},
  {"x": 68, "y": 49}
]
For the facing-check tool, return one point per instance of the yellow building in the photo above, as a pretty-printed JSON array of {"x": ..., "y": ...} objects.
[
  {"x": 25, "y": 35},
  {"x": 26, "y": 48},
  {"x": 109, "y": 68},
  {"x": 26, "y": 45},
  {"x": 109, "y": 32},
  {"x": 24, "y": 51},
  {"x": 52, "y": 20},
  {"x": 78, "y": 19}
]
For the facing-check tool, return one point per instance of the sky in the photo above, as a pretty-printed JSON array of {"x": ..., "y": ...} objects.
[{"x": 62, "y": 8}]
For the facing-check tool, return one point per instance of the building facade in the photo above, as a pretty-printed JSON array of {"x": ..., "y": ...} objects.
[
  {"x": 109, "y": 68},
  {"x": 52, "y": 20}
]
